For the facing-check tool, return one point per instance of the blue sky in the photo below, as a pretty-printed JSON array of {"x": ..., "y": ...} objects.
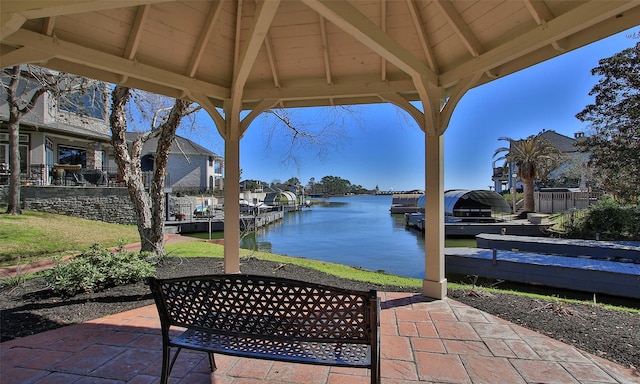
[{"x": 384, "y": 147}]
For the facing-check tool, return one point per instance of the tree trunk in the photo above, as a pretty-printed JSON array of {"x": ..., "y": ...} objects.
[
  {"x": 13, "y": 200},
  {"x": 149, "y": 208},
  {"x": 529, "y": 205},
  {"x": 13, "y": 206},
  {"x": 129, "y": 167}
]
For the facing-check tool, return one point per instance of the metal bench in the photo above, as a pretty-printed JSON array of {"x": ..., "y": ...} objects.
[{"x": 268, "y": 318}]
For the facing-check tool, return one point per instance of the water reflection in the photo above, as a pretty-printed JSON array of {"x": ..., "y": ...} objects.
[{"x": 355, "y": 230}]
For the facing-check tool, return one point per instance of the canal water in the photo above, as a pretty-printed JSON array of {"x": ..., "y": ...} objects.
[{"x": 357, "y": 231}]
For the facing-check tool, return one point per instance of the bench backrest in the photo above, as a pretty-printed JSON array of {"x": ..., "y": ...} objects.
[{"x": 261, "y": 305}]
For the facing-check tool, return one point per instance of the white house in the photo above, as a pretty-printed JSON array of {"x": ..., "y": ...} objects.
[{"x": 573, "y": 158}]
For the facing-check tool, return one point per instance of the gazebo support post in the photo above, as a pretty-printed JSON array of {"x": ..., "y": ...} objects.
[
  {"x": 434, "y": 284},
  {"x": 232, "y": 205}
]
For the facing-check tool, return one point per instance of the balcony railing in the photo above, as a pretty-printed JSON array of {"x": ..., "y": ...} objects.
[{"x": 75, "y": 175}]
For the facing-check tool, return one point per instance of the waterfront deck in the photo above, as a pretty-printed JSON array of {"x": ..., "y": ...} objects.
[
  {"x": 575, "y": 273},
  {"x": 215, "y": 222},
  {"x": 471, "y": 229}
]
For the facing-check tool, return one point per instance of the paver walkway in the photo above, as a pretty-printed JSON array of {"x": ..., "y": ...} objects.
[{"x": 430, "y": 342}]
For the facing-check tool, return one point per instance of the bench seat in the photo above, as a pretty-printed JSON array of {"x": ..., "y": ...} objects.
[
  {"x": 267, "y": 317},
  {"x": 321, "y": 353}
]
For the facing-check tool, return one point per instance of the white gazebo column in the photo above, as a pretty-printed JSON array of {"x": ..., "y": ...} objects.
[
  {"x": 232, "y": 205},
  {"x": 435, "y": 283}
]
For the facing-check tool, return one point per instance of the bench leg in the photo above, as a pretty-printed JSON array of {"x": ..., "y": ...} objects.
[
  {"x": 212, "y": 362},
  {"x": 167, "y": 363}
]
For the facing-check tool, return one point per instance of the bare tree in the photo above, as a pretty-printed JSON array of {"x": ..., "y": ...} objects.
[
  {"x": 320, "y": 134},
  {"x": 149, "y": 207},
  {"x": 22, "y": 87}
]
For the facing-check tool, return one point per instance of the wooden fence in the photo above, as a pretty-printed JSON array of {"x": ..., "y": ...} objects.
[{"x": 552, "y": 202}]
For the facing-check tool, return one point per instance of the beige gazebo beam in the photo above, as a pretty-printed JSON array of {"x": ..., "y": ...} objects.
[
  {"x": 579, "y": 19},
  {"x": 94, "y": 59}
]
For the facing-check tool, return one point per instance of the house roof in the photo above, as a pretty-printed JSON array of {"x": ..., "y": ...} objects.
[
  {"x": 179, "y": 145},
  {"x": 97, "y": 132},
  {"x": 563, "y": 143}
]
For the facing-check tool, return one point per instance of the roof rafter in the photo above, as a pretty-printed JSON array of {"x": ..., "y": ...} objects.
[
  {"x": 542, "y": 14},
  {"x": 581, "y": 18},
  {"x": 325, "y": 49},
  {"x": 272, "y": 61},
  {"x": 203, "y": 38},
  {"x": 47, "y": 8},
  {"x": 349, "y": 19},
  {"x": 539, "y": 11},
  {"x": 265, "y": 12},
  {"x": 422, "y": 34},
  {"x": 50, "y": 47},
  {"x": 136, "y": 32},
  {"x": 48, "y": 25},
  {"x": 461, "y": 28},
  {"x": 383, "y": 26}
]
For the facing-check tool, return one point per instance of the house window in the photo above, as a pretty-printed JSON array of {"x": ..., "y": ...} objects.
[
  {"x": 87, "y": 102},
  {"x": 70, "y": 155},
  {"x": 211, "y": 161},
  {"x": 147, "y": 163},
  {"x": 23, "y": 149}
]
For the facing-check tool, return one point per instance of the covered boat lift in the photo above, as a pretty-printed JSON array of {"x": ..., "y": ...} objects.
[
  {"x": 280, "y": 199},
  {"x": 239, "y": 58},
  {"x": 476, "y": 205}
]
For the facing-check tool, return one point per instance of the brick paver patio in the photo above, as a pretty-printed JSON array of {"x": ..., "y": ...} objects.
[{"x": 422, "y": 342}]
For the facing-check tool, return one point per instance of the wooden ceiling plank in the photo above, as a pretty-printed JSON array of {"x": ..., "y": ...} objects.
[
  {"x": 106, "y": 62},
  {"x": 136, "y": 31},
  {"x": 203, "y": 38},
  {"x": 460, "y": 27},
  {"x": 325, "y": 49},
  {"x": 565, "y": 25},
  {"x": 349, "y": 19},
  {"x": 422, "y": 34}
]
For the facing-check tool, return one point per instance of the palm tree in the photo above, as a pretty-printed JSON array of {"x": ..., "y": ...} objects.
[{"x": 533, "y": 157}]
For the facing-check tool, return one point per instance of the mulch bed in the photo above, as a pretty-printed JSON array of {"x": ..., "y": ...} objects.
[{"x": 614, "y": 335}]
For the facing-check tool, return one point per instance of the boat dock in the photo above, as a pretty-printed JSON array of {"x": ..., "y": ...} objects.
[
  {"x": 215, "y": 222},
  {"x": 554, "y": 262},
  {"x": 473, "y": 228}
]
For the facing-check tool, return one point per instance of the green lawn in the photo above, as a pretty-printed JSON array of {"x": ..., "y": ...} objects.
[{"x": 35, "y": 235}]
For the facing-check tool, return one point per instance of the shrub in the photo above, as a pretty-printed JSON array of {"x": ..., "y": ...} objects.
[
  {"x": 608, "y": 220},
  {"x": 98, "y": 269}
]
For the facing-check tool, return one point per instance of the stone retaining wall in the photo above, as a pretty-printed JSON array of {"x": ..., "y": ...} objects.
[{"x": 111, "y": 205}]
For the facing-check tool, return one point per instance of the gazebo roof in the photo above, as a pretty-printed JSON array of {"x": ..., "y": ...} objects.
[
  {"x": 238, "y": 58},
  {"x": 294, "y": 53}
]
